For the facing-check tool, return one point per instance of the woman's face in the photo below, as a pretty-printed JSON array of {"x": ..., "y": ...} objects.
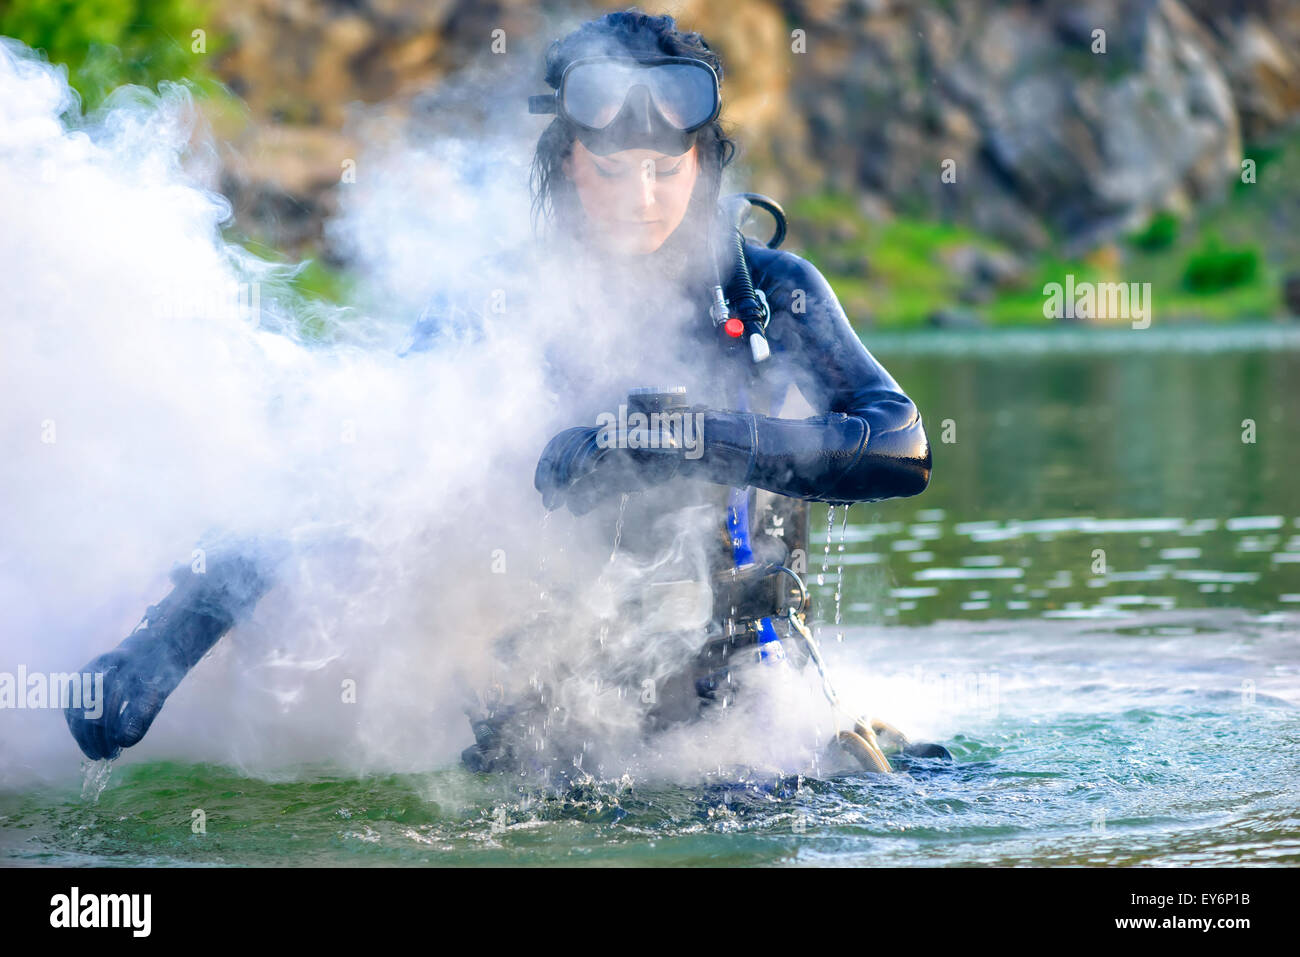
[{"x": 633, "y": 198}]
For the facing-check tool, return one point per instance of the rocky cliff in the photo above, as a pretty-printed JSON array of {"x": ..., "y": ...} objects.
[{"x": 1024, "y": 120}]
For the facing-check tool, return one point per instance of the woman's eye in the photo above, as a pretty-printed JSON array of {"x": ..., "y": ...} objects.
[
  {"x": 609, "y": 174},
  {"x": 670, "y": 172}
]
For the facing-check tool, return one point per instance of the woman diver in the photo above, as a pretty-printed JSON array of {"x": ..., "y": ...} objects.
[{"x": 705, "y": 497}]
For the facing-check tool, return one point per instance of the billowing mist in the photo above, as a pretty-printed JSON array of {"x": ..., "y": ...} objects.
[{"x": 161, "y": 401}]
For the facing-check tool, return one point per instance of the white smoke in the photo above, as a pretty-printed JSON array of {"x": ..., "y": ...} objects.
[{"x": 141, "y": 417}]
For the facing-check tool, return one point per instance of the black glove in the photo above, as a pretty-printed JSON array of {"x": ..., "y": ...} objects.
[
  {"x": 143, "y": 670},
  {"x": 832, "y": 457},
  {"x": 580, "y": 466},
  {"x": 137, "y": 677}
]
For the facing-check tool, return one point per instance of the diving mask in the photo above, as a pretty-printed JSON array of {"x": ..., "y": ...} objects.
[{"x": 621, "y": 103}]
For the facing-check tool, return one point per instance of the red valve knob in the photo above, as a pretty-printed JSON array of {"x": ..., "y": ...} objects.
[{"x": 734, "y": 327}]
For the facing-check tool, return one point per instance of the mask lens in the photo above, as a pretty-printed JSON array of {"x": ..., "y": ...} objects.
[
  {"x": 685, "y": 94},
  {"x": 594, "y": 92}
]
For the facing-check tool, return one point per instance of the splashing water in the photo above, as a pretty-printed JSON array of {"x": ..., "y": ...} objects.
[
  {"x": 826, "y": 549},
  {"x": 1076, "y": 765},
  {"x": 839, "y": 571},
  {"x": 546, "y": 546},
  {"x": 94, "y": 779}
]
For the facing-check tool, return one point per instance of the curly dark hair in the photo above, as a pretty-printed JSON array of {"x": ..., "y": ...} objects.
[{"x": 629, "y": 32}]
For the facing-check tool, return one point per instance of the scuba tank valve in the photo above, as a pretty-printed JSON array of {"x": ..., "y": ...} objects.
[{"x": 739, "y": 310}]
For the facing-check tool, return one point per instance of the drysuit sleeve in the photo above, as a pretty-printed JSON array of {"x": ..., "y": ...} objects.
[{"x": 867, "y": 443}]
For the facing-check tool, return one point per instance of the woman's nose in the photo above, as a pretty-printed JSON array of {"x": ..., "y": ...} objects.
[{"x": 646, "y": 184}]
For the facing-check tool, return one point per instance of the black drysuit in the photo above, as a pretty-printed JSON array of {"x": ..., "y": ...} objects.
[{"x": 862, "y": 441}]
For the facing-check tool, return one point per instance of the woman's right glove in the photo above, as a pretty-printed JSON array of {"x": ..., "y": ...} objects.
[
  {"x": 832, "y": 457},
  {"x": 580, "y": 466}
]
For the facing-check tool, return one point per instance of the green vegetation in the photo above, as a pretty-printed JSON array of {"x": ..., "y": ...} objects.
[
  {"x": 1224, "y": 263},
  {"x": 1213, "y": 268},
  {"x": 324, "y": 283},
  {"x": 1160, "y": 233},
  {"x": 108, "y": 43},
  {"x": 894, "y": 272}
]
